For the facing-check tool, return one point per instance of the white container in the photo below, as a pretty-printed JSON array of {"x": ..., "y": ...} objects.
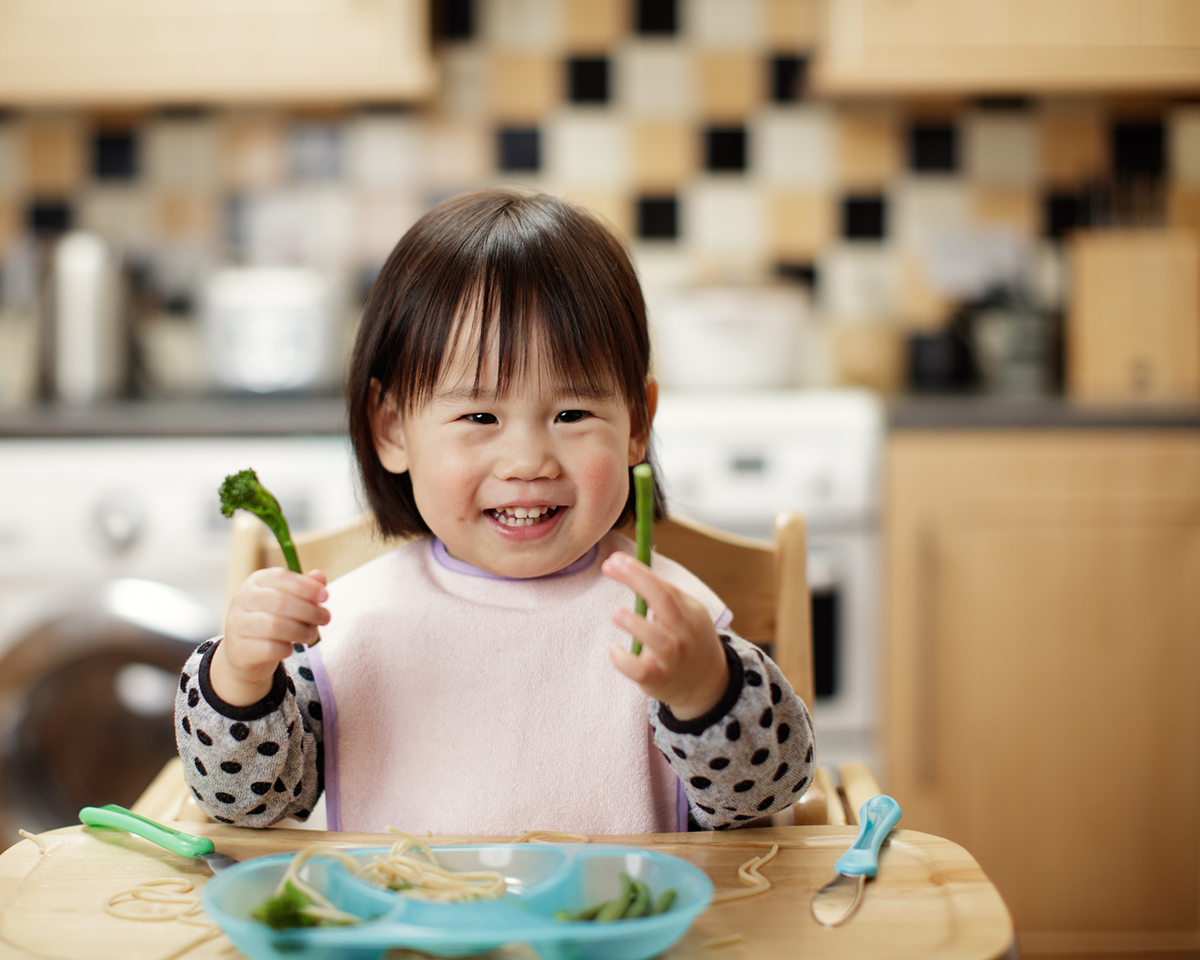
[
  {"x": 271, "y": 329},
  {"x": 90, "y": 348},
  {"x": 729, "y": 337}
]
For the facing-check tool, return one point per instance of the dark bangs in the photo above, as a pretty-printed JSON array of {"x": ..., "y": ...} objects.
[{"x": 511, "y": 270}]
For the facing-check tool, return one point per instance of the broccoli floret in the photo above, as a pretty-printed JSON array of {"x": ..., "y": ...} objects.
[
  {"x": 285, "y": 910},
  {"x": 242, "y": 491}
]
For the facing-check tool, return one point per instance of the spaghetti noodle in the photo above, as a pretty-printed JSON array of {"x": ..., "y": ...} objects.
[
  {"x": 748, "y": 871},
  {"x": 35, "y": 838}
]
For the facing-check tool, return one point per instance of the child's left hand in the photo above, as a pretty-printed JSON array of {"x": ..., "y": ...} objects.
[{"x": 682, "y": 663}]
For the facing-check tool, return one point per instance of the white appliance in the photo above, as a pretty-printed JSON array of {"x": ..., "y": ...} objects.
[
  {"x": 113, "y": 554},
  {"x": 732, "y": 459}
]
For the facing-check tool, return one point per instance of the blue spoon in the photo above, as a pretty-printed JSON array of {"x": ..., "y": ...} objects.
[{"x": 836, "y": 902}]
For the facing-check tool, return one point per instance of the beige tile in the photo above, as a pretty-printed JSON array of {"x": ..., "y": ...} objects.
[
  {"x": 254, "y": 150},
  {"x": 920, "y": 306},
  {"x": 614, "y": 208},
  {"x": 55, "y": 155},
  {"x": 10, "y": 224},
  {"x": 525, "y": 87},
  {"x": 725, "y": 24},
  {"x": 188, "y": 215},
  {"x": 123, "y": 215},
  {"x": 870, "y": 355},
  {"x": 657, "y": 79},
  {"x": 868, "y": 147},
  {"x": 12, "y": 159},
  {"x": 593, "y": 26},
  {"x": 529, "y": 25},
  {"x": 1073, "y": 145},
  {"x": 665, "y": 155},
  {"x": 801, "y": 224},
  {"x": 1183, "y": 206},
  {"x": 732, "y": 85},
  {"x": 460, "y": 155},
  {"x": 793, "y": 24},
  {"x": 1183, "y": 137},
  {"x": 1015, "y": 207}
]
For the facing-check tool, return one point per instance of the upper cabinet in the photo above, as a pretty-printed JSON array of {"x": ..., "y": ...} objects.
[
  {"x": 1008, "y": 46},
  {"x": 144, "y": 52}
]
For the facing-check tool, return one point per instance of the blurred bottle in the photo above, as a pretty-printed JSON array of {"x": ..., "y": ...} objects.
[{"x": 90, "y": 352}]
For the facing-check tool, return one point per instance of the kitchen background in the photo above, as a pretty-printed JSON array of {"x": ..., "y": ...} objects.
[{"x": 927, "y": 270}]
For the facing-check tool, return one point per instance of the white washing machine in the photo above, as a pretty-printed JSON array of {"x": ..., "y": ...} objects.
[{"x": 113, "y": 554}]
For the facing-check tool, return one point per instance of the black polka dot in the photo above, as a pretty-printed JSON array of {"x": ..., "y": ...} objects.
[
  {"x": 203, "y": 737},
  {"x": 760, "y": 756},
  {"x": 766, "y": 803},
  {"x": 183, "y": 682},
  {"x": 239, "y": 731},
  {"x": 706, "y": 809},
  {"x": 743, "y": 786},
  {"x": 779, "y": 774},
  {"x": 776, "y": 693},
  {"x": 297, "y": 648},
  {"x": 291, "y": 684},
  {"x": 720, "y": 763},
  {"x": 261, "y": 808},
  {"x": 732, "y": 809},
  {"x": 260, "y": 787},
  {"x": 808, "y": 756},
  {"x": 754, "y": 678},
  {"x": 199, "y": 795},
  {"x": 302, "y": 814},
  {"x": 305, "y": 673},
  {"x": 782, "y": 732},
  {"x": 279, "y": 786},
  {"x": 291, "y": 727},
  {"x": 223, "y": 819},
  {"x": 314, "y": 709},
  {"x": 767, "y": 718},
  {"x": 679, "y": 753},
  {"x": 200, "y": 767},
  {"x": 733, "y": 731},
  {"x": 268, "y": 748},
  {"x": 193, "y": 698},
  {"x": 204, "y": 647},
  {"x": 800, "y": 784},
  {"x": 299, "y": 786},
  {"x": 701, "y": 783},
  {"x": 226, "y": 797},
  {"x": 721, "y": 826},
  {"x": 187, "y": 725},
  {"x": 231, "y": 766},
  {"x": 743, "y": 816}
]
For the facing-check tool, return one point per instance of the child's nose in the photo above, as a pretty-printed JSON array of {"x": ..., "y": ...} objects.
[{"x": 528, "y": 456}]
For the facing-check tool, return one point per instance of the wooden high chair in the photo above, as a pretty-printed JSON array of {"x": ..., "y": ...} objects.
[{"x": 764, "y": 584}]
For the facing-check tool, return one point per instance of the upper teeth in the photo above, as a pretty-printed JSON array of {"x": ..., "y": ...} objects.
[{"x": 512, "y": 515}]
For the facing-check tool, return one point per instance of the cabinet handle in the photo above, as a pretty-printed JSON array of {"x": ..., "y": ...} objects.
[{"x": 925, "y": 689}]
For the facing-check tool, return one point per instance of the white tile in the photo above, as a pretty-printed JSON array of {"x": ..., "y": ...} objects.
[
  {"x": 315, "y": 151},
  {"x": 183, "y": 154},
  {"x": 521, "y": 24},
  {"x": 1183, "y": 138},
  {"x": 386, "y": 152},
  {"x": 464, "y": 90},
  {"x": 383, "y": 220},
  {"x": 725, "y": 219},
  {"x": 586, "y": 150},
  {"x": 921, "y": 209},
  {"x": 729, "y": 24},
  {"x": 305, "y": 225},
  {"x": 460, "y": 155},
  {"x": 793, "y": 147},
  {"x": 122, "y": 215},
  {"x": 12, "y": 178},
  {"x": 656, "y": 79},
  {"x": 1000, "y": 148},
  {"x": 859, "y": 282}
]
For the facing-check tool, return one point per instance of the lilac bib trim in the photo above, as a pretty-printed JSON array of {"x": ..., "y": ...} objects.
[
  {"x": 333, "y": 809},
  {"x": 443, "y": 558}
]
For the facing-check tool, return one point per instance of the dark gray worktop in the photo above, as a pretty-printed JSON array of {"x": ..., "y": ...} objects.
[{"x": 1002, "y": 413}]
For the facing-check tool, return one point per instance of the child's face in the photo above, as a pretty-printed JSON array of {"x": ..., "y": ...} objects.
[{"x": 520, "y": 485}]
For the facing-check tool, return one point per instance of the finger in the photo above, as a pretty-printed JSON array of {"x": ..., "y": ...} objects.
[
  {"x": 642, "y": 669},
  {"x": 302, "y": 585},
  {"x": 266, "y": 626},
  {"x": 660, "y": 596},
  {"x": 650, "y": 633},
  {"x": 287, "y": 605}
]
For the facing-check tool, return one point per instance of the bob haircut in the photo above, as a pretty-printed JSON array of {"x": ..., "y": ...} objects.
[{"x": 512, "y": 269}]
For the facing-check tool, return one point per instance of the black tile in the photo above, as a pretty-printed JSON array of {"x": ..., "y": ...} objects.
[
  {"x": 864, "y": 217},
  {"x": 114, "y": 155},
  {"x": 520, "y": 148},
  {"x": 804, "y": 274},
  {"x": 587, "y": 79},
  {"x": 657, "y": 16},
  {"x": 658, "y": 218},
  {"x": 1006, "y": 103},
  {"x": 1062, "y": 213},
  {"x": 788, "y": 75},
  {"x": 49, "y": 216},
  {"x": 454, "y": 19},
  {"x": 933, "y": 147},
  {"x": 725, "y": 148},
  {"x": 1137, "y": 148}
]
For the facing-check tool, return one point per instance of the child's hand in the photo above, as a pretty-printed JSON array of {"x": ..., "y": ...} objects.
[
  {"x": 273, "y": 609},
  {"x": 682, "y": 663}
]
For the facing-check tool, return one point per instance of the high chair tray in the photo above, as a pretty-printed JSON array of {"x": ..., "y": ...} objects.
[{"x": 542, "y": 879}]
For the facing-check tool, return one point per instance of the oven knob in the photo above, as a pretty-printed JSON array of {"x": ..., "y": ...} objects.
[{"x": 118, "y": 520}]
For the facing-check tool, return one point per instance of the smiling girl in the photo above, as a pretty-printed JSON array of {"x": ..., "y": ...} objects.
[{"x": 478, "y": 680}]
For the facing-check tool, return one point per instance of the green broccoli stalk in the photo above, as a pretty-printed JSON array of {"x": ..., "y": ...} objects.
[
  {"x": 242, "y": 491},
  {"x": 643, "y": 487},
  {"x": 286, "y": 910}
]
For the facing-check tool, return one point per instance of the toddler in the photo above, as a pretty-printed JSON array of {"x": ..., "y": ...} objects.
[{"x": 478, "y": 680}]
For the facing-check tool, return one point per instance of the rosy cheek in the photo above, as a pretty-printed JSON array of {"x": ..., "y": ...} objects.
[{"x": 602, "y": 479}]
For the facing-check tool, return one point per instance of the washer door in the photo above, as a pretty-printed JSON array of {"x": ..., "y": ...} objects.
[{"x": 87, "y": 702}]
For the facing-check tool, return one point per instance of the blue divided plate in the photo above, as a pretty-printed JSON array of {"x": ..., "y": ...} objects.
[{"x": 542, "y": 879}]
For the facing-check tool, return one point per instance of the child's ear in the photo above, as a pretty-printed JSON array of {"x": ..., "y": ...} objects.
[
  {"x": 387, "y": 430},
  {"x": 639, "y": 436}
]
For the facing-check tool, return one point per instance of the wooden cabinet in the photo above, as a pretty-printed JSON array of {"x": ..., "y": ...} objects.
[
  {"x": 140, "y": 52},
  {"x": 1042, "y": 673},
  {"x": 1008, "y": 46}
]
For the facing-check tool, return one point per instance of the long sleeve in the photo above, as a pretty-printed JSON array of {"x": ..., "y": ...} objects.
[
  {"x": 255, "y": 765},
  {"x": 752, "y": 754}
]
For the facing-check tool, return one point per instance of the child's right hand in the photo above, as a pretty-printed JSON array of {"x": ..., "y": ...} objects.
[{"x": 272, "y": 610}]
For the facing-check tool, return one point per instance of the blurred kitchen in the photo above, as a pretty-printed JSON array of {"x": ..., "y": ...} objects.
[{"x": 927, "y": 269}]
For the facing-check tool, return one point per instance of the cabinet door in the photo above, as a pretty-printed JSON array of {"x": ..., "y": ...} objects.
[
  {"x": 1004, "y": 46},
  {"x": 174, "y": 51},
  {"x": 1044, "y": 675}
]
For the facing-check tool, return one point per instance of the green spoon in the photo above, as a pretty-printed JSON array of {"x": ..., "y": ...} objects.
[{"x": 184, "y": 844}]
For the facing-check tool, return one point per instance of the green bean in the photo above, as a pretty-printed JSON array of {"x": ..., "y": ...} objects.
[
  {"x": 589, "y": 913},
  {"x": 663, "y": 903},
  {"x": 635, "y": 900},
  {"x": 643, "y": 484},
  {"x": 616, "y": 907},
  {"x": 641, "y": 900}
]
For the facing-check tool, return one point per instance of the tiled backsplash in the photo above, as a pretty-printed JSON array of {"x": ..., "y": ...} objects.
[{"x": 686, "y": 124}]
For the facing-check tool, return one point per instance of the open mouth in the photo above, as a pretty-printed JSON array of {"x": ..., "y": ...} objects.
[{"x": 522, "y": 516}]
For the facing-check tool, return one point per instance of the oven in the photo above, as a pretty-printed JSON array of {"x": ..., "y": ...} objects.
[{"x": 732, "y": 459}]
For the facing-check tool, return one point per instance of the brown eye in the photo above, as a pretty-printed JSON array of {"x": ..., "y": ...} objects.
[
  {"x": 484, "y": 418},
  {"x": 571, "y": 416}
]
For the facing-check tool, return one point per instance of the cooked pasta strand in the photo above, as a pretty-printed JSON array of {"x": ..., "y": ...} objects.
[
  {"x": 748, "y": 872},
  {"x": 723, "y": 941},
  {"x": 41, "y": 844},
  {"x": 550, "y": 836}
]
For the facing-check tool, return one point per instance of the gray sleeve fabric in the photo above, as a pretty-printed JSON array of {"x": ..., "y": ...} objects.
[
  {"x": 251, "y": 766},
  {"x": 752, "y": 754}
]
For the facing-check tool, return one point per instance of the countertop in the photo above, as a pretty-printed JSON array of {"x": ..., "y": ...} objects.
[{"x": 972, "y": 412}]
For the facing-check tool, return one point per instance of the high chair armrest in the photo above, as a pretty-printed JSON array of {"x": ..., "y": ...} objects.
[{"x": 858, "y": 786}]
